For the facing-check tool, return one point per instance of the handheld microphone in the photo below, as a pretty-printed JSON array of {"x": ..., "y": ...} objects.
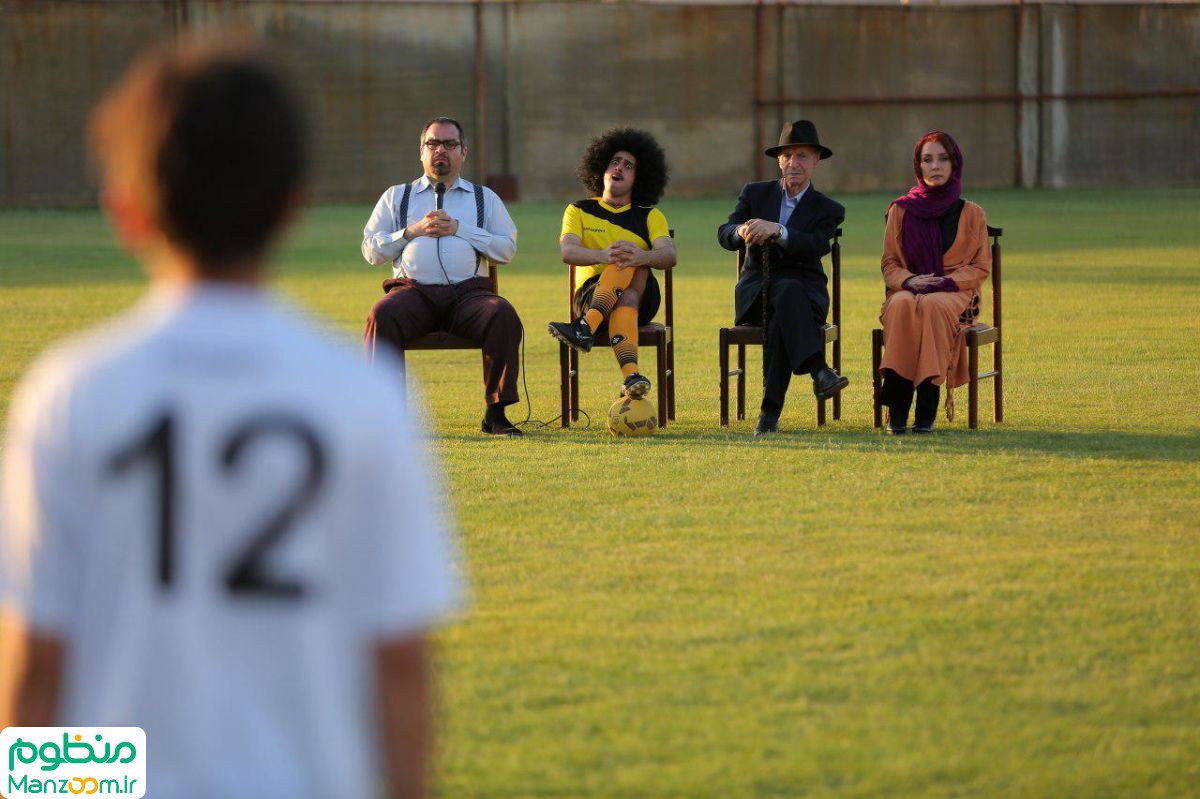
[{"x": 440, "y": 191}]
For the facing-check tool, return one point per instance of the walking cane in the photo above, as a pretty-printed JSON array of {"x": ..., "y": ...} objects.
[{"x": 765, "y": 258}]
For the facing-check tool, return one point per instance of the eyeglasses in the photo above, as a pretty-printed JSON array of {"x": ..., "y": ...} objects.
[{"x": 450, "y": 144}]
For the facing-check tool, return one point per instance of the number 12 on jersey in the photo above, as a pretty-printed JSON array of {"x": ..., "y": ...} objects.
[{"x": 249, "y": 573}]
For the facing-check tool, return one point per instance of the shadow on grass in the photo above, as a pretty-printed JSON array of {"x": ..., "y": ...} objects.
[{"x": 1103, "y": 444}]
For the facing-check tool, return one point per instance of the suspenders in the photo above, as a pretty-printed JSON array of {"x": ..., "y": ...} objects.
[{"x": 402, "y": 216}]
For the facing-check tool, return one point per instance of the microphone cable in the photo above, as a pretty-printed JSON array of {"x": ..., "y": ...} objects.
[{"x": 538, "y": 424}]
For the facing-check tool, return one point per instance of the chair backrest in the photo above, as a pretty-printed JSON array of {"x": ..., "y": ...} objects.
[
  {"x": 494, "y": 277},
  {"x": 835, "y": 256},
  {"x": 668, "y": 291},
  {"x": 995, "y": 233}
]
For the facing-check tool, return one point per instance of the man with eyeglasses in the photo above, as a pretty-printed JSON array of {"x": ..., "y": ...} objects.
[{"x": 437, "y": 232}]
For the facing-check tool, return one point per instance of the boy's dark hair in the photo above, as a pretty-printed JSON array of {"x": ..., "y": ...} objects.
[
  {"x": 210, "y": 143},
  {"x": 462, "y": 136},
  {"x": 652, "y": 171}
]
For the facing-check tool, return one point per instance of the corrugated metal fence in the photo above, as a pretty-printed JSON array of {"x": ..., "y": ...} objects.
[{"x": 1037, "y": 94}]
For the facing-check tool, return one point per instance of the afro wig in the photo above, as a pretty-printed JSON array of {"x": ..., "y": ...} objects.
[{"x": 652, "y": 172}]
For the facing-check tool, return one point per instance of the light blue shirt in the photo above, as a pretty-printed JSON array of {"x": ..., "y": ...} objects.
[
  {"x": 786, "y": 207},
  {"x": 450, "y": 259}
]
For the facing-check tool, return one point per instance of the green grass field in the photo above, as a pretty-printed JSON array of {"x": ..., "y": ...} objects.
[{"x": 1013, "y": 611}]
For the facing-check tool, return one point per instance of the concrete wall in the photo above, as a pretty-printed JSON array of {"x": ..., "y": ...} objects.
[
  {"x": 1119, "y": 50},
  {"x": 881, "y": 53},
  {"x": 681, "y": 73},
  {"x": 54, "y": 64},
  {"x": 557, "y": 73}
]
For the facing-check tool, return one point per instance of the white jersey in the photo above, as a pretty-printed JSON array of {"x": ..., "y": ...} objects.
[{"x": 219, "y": 510}]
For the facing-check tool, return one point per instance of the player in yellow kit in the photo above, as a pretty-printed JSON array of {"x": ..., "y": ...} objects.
[{"x": 615, "y": 239}]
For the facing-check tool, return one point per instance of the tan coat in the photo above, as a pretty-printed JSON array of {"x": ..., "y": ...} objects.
[{"x": 924, "y": 335}]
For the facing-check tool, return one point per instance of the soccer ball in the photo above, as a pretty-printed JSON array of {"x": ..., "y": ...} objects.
[{"x": 632, "y": 417}]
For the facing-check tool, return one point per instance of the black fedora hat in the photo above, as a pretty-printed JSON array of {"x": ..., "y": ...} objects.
[{"x": 799, "y": 132}]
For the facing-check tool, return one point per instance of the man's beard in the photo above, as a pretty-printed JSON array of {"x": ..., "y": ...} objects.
[{"x": 441, "y": 168}]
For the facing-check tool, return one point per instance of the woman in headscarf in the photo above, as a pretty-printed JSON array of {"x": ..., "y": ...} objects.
[{"x": 935, "y": 258}]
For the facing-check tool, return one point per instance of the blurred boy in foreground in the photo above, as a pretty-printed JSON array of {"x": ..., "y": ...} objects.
[{"x": 216, "y": 522}]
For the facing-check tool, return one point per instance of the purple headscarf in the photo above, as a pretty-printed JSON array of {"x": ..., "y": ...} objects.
[{"x": 921, "y": 239}]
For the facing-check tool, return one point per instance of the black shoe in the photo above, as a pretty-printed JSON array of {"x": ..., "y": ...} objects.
[
  {"x": 577, "y": 335},
  {"x": 898, "y": 419},
  {"x": 501, "y": 427},
  {"x": 827, "y": 383},
  {"x": 767, "y": 424},
  {"x": 922, "y": 429},
  {"x": 637, "y": 386}
]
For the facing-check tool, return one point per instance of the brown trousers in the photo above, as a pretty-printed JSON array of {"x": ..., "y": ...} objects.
[
  {"x": 469, "y": 309},
  {"x": 923, "y": 338}
]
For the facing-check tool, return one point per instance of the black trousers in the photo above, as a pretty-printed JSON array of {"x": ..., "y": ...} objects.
[
  {"x": 897, "y": 394},
  {"x": 793, "y": 342},
  {"x": 468, "y": 309}
]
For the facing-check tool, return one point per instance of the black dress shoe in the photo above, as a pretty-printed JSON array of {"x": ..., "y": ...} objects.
[
  {"x": 827, "y": 383},
  {"x": 897, "y": 419},
  {"x": 501, "y": 427},
  {"x": 922, "y": 429},
  {"x": 766, "y": 424}
]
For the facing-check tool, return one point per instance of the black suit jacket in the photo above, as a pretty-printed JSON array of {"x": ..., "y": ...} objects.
[{"x": 810, "y": 229}]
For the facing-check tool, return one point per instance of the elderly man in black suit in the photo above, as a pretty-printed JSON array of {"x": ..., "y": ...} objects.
[{"x": 793, "y": 223}]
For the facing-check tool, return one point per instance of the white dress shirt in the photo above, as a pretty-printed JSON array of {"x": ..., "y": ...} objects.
[
  {"x": 449, "y": 259},
  {"x": 786, "y": 207}
]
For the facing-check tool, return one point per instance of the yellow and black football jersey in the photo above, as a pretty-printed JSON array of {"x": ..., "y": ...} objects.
[{"x": 598, "y": 224}]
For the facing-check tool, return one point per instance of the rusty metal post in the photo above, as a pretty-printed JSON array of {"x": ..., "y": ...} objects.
[
  {"x": 758, "y": 90},
  {"x": 1019, "y": 103},
  {"x": 181, "y": 18},
  {"x": 479, "y": 148},
  {"x": 1041, "y": 116}
]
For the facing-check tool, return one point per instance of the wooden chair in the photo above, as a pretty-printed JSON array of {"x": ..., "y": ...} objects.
[
  {"x": 659, "y": 336},
  {"x": 978, "y": 335},
  {"x": 441, "y": 340},
  {"x": 752, "y": 335}
]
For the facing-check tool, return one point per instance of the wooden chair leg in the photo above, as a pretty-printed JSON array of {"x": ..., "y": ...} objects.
[
  {"x": 998, "y": 388},
  {"x": 876, "y": 387},
  {"x": 662, "y": 381},
  {"x": 741, "y": 383},
  {"x": 837, "y": 366},
  {"x": 973, "y": 385},
  {"x": 671, "y": 377},
  {"x": 573, "y": 361},
  {"x": 723, "y": 362},
  {"x": 564, "y": 370},
  {"x": 821, "y": 402}
]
